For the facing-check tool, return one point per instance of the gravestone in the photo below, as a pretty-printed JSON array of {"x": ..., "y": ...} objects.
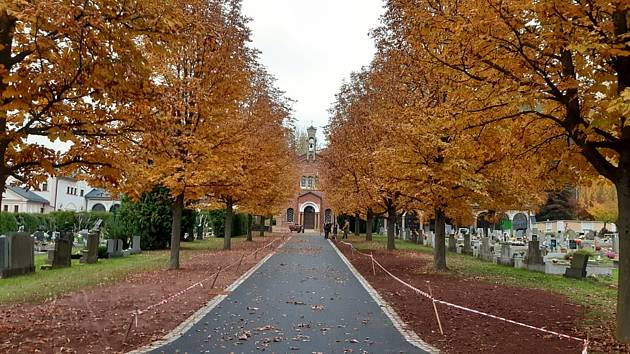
[
  {"x": 485, "y": 251},
  {"x": 135, "y": 245},
  {"x": 4, "y": 253},
  {"x": 578, "y": 266},
  {"x": 114, "y": 248},
  {"x": 63, "y": 251},
  {"x": 518, "y": 261},
  {"x": 452, "y": 243},
  {"x": 573, "y": 245},
  {"x": 200, "y": 232},
  {"x": 17, "y": 254},
  {"x": 534, "y": 260},
  {"x": 90, "y": 254},
  {"x": 467, "y": 248},
  {"x": 506, "y": 255}
]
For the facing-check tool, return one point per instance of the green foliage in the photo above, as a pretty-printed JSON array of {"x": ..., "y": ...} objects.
[
  {"x": 150, "y": 218},
  {"x": 116, "y": 227},
  {"x": 57, "y": 221},
  {"x": 216, "y": 219},
  {"x": 8, "y": 223},
  {"x": 562, "y": 205},
  {"x": 239, "y": 225},
  {"x": 62, "y": 220},
  {"x": 586, "y": 251},
  {"x": 30, "y": 222},
  {"x": 189, "y": 217},
  {"x": 102, "y": 251}
]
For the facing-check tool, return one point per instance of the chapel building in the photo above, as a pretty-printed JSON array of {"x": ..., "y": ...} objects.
[{"x": 309, "y": 207}]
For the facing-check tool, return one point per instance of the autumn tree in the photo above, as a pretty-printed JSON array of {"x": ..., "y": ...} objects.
[
  {"x": 200, "y": 74},
  {"x": 599, "y": 199},
  {"x": 257, "y": 174},
  {"x": 354, "y": 179},
  {"x": 566, "y": 64},
  {"x": 65, "y": 68}
]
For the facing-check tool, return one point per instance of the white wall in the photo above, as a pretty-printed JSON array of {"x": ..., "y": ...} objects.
[
  {"x": 10, "y": 200},
  {"x": 63, "y": 198},
  {"x": 106, "y": 203}
]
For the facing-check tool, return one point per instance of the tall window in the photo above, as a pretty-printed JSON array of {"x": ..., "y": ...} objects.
[
  {"x": 44, "y": 186},
  {"x": 310, "y": 182},
  {"x": 82, "y": 192},
  {"x": 290, "y": 215},
  {"x": 303, "y": 182},
  {"x": 16, "y": 208}
]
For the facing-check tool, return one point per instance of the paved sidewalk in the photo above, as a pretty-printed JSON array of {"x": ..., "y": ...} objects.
[{"x": 304, "y": 299}]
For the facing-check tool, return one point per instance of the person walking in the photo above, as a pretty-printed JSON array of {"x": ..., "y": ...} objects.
[
  {"x": 327, "y": 227},
  {"x": 346, "y": 228}
]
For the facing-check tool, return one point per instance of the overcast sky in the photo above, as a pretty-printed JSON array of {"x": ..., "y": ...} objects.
[{"x": 312, "y": 46}]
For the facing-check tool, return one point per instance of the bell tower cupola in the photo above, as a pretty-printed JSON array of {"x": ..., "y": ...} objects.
[{"x": 312, "y": 143}]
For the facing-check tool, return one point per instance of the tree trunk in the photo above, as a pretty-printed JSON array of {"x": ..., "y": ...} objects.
[
  {"x": 623, "y": 227},
  {"x": 262, "y": 224},
  {"x": 357, "y": 224},
  {"x": 368, "y": 226},
  {"x": 391, "y": 227},
  {"x": 249, "y": 228},
  {"x": 439, "y": 257},
  {"x": 227, "y": 238},
  {"x": 176, "y": 230},
  {"x": 7, "y": 30}
]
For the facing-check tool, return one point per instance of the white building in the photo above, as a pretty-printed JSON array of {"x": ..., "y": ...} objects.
[
  {"x": 19, "y": 200},
  {"x": 58, "y": 194}
]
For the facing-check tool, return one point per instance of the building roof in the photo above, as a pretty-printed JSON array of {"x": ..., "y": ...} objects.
[
  {"x": 98, "y": 193},
  {"x": 28, "y": 195}
]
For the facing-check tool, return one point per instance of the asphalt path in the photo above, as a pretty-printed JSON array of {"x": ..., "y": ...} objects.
[{"x": 304, "y": 299}]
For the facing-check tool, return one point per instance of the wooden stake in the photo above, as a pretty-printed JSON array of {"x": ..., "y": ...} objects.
[
  {"x": 239, "y": 263},
  {"x": 215, "y": 278},
  {"x": 373, "y": 268},
  {"x": 436, "y": 311},
  {"x": 131, "y": 320}
]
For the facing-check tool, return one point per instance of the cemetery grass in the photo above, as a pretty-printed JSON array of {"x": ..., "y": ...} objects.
[
  {"x": 46, "y": 284},
  {"x": 596, "y": 298}
]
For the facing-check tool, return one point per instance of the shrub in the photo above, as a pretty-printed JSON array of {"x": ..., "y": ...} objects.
[
  {"x": 189, "y": 217},
  {"x": 117, "y": 228},
  {"x": 62, "y": 220},
  {"x": 102, "y": 251},
  {"x": 8, "y": 223},
  {"x": 217, "y": 222},
  {"x": 150, "y": 218},
  {"x": 589, "y": 252},
  {"x": 30, "y": 222}
]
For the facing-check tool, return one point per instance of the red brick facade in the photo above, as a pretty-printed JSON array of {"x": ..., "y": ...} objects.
[{"x": 309, "y": 207}]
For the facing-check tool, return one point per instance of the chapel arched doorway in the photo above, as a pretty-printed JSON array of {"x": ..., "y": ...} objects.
[{"x": 309, "y": 218}]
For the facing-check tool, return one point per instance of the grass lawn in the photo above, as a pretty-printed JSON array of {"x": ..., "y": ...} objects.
[
  {"x": 599, "y": 295},
  {"x": 48, "y": 283}
]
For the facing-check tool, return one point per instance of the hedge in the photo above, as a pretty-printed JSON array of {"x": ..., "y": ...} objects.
[{"x": 55, "y": 221}]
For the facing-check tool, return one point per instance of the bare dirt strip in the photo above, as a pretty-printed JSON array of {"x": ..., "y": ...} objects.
[
  {"x": 96, "y": 320},
  {"x": 465, "y": 332}
]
